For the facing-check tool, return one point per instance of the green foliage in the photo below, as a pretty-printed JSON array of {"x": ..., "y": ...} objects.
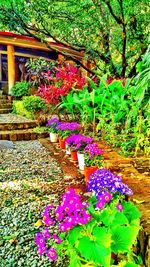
[
  {"x": 20, "y": 89},
  {"x": 34, "y": 103},
  {"x": 113, "y": 41},
  {"x": 18, "y": 108}
]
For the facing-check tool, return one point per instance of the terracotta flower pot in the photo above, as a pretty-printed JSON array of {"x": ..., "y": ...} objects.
[
  {"x": 74, "y": 155},
  {"x": 80, "y": 160},
  {"x": 53, "y": 137},
  {"x": 62, "y": 143},
  {"x": 88, "y": 170}
]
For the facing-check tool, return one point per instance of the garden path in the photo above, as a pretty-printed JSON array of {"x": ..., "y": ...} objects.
[{"x": 28, "y": 178}]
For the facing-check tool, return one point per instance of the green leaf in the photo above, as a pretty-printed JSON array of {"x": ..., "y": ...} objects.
[
  {"x": 130, "y": 211},
  {"x": 74, "y": 234},
  {"x": 123, "y": 237},
  {"x": 131, "y": 265},
  {"x": 103, "y": 237},
  {"x": 92, "y": 251},
  {"x": 120, "y": 219}
]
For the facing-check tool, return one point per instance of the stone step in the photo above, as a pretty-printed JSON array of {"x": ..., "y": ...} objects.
[
  {"x": 3, "y": 97},
  {"x": 5, "y": 105},
  {"x": 5, "y": 126},
  {"x": 5, "y": 110},
  {"x": 19, "y": 135},
  {"x": 4, "y": 100}
]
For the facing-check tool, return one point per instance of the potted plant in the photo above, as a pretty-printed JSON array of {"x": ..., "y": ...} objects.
[
  {"x": 93, "y": 159},
  {"x": 88, "y": 233},
  {"x": 77, "y": 143},
  {"x": 66, "y": 129},
  {"x": 52, "y": 124}
]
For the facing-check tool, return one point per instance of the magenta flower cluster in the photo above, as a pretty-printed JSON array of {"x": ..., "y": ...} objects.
[
  {"x": 104, "y": 180},
  {"x": 40, "y": 240},
  {"x": 70, "y": 126},
  {"x": 71, "y": 212},
  {"x": 92, "y": 149},
  {"x": 78, "y": 142}
]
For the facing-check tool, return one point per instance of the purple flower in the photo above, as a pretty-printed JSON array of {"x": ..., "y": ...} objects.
[
  {"x": 79, "y": 142},
  {"x": 46, "y": 233},
  {"x": 41, "y": 250},
  {"x": 92, "y": 150},
  {"x": 107, "y": 197},
  {"x": 40, "y": 240},
  {"x": 51, "y": 254},
  {"x": 119, "y": 207},
  {"x": 100, "y": 204},
  {"x": 52, "y": 124},
  {"x": 103, "y": 180},
  {"x": 71, "y": 126},
  {"x": 47, "y": 219},
  {"x": 57, "y": 239},
  {"x": 93, "y": 155}
]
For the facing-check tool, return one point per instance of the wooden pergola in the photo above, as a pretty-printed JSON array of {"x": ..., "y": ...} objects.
[{"x": 14, "y": 46}]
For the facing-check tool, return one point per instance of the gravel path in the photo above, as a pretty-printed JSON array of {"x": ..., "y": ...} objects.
[
  {"x": 29, "y": 178},
  {"x": 10, "y": 117}
]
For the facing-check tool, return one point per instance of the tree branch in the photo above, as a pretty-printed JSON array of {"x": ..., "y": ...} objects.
[{"x": 117, "y": 19}]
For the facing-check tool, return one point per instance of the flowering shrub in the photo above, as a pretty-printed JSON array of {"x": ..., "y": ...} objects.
[
  {"x": 64, "y": 129},
  {"x": 78, "y": 142},
  {"x": 89, "y": 234},
  {"x": 93, "y": 155},
  {"x": 65, "y": 79},
  {"x": 52, "y": 124}
]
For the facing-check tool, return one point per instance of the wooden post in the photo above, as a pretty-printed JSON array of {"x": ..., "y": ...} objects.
[
  {"x": 0, "y": 67},
  {"x": 11, "y": 67}
]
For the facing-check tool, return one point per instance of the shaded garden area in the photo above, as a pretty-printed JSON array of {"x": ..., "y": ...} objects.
[{"x": 68, "y": 199}]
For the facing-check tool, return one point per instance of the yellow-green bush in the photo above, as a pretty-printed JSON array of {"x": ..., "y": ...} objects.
[{"x": 18, "y": 108}]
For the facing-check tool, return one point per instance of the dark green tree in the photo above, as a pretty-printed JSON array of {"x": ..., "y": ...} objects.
[{"x": 112, "y": 33}]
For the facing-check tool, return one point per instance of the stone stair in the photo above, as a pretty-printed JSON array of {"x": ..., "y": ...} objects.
[
  {"x": 17, "y": 128},
  {"x": 5, "y": 105}
]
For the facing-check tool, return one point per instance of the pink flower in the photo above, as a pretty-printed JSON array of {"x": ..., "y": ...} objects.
[
  {"x": 119, "y": 207},
  {"x": 100, "y": 204},
  {"x": 51, "y": 254}
]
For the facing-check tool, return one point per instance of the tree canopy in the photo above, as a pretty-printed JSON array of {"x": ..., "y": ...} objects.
[{"x": 112, "y": 33}]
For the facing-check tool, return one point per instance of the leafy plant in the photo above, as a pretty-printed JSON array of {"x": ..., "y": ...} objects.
[
  {"x": 38, "y": 68},
  {"x": 34, "y": 104},
  {"x": 20, "y": 89},
  {"x": 18, "y": 108},
  {"x": 93, "y": 155},
  {"x": 66, "y": 78}
]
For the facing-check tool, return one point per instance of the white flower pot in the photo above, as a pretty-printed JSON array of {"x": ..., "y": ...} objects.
[
  {"x": 53, "y": 137},
  {"x": 68, "y": 150},
  {"x": 80, "y": 160}
]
